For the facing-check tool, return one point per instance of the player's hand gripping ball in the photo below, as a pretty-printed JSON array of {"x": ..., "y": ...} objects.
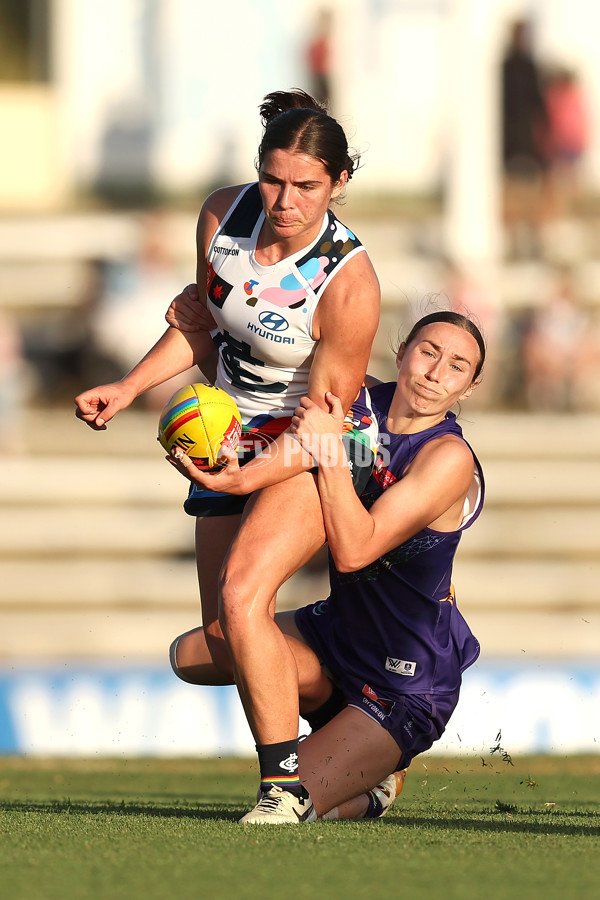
[{"x": 198, "y": 418}]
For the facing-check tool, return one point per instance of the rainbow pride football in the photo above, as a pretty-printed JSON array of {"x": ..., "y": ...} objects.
[{"x": 198, "y": 418}]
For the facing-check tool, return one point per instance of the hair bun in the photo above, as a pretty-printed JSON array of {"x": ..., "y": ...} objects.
[
  {"x": 278, "y": 102},
  {"x": 293, "y": 120}
]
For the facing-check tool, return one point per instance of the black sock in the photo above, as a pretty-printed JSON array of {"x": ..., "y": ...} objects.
[
  {"x": 375, "y": 807},
  {"x": 279, "y": 766},
  {"x": 325, "y": 713}
]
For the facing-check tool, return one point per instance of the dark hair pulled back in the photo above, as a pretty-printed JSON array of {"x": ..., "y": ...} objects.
[
  {"x": 294, "y": 120},
  {"x": 452, "y": 318}
]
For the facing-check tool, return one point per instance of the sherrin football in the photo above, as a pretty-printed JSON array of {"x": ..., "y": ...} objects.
[{"x": 198, "y": 418}]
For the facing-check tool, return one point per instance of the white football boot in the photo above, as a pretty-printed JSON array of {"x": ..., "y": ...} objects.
[
  {"x": 279, "y": 807},
  {"x": 388, "y": 789}
]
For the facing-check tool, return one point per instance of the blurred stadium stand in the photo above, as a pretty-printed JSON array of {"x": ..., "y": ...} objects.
[
  {"x": 106, "y": 114},
  {"x": 96, "y": 557}
]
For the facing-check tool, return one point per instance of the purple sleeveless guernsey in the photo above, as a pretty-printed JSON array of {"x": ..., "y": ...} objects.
[{"x": 393, "y": 627}]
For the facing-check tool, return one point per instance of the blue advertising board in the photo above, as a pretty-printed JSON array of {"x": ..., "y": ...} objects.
[{"x": 88, "y": 711}]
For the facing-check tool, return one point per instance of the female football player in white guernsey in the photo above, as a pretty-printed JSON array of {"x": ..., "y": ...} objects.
[
  {"x": 390, "y": 636},
  {"x": 295, "y": 301}
]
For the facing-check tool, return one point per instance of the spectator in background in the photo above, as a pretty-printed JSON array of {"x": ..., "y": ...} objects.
[
  {"x": 524, "y": 125},
  {"x": 560, "y": 352},
  {"x": 567, "y": 139},
  {"x": 13, "y": 385},
  {"x": 318, "y": 58},
  {"x": 128, "y": 316},
  {"x": 472, "y": 296}
]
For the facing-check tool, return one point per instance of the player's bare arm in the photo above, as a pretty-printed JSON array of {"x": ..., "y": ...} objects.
[
  {"x": 211, "y": 215},
  {"x": 431, "y": 493},
  {"x": 177, "y": 350},
  {"x": 188, "y": 311},
  {"x": 344, "y": 325},
  {"x": 174, "y": 353}
]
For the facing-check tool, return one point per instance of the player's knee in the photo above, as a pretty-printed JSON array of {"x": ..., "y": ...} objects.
[
  {"x": 207, "y": 662},
  {"x": 242, "y": 596},
  {"x": 231, "y": 599},
  {"x": 173, "y": 659}
]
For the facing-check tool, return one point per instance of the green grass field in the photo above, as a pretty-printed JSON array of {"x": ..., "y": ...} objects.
[{"x": 467, "y": 828}]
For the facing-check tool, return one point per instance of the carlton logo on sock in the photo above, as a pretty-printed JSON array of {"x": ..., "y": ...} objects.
[{"x": 289, "y": 764}]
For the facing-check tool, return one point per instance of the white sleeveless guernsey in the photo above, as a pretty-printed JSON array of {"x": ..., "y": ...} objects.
[{"x": 264, "y": 314}]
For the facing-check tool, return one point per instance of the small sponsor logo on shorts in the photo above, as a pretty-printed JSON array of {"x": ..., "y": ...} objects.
[
  {"x": 369, "y": 692},
  {"x": 374, "y": 709},
  {"x": 380, "y": 706},
  {"x": 400, "y": 666},
  {"x": 408, "y": 728}
]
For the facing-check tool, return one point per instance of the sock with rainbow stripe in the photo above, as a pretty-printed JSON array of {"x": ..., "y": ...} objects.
[{"x": 279, "y": 765}]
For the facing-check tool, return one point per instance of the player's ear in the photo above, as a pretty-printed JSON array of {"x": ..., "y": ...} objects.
[
  {"x": 400, "y": 354},
  {"x": 469, "y": 390},
  {"x": 339, "y": 185}
]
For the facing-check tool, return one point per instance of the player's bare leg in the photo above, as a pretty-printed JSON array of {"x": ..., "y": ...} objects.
[
  {"x": 282, "y": 530},
  {"x": 214, "y": 536},
  {"x": 341, "y": 762},
  {"x": 374, "y": 803},
  {"x": 192, "y": 662},
  {"x": 379, "y": 798}
]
